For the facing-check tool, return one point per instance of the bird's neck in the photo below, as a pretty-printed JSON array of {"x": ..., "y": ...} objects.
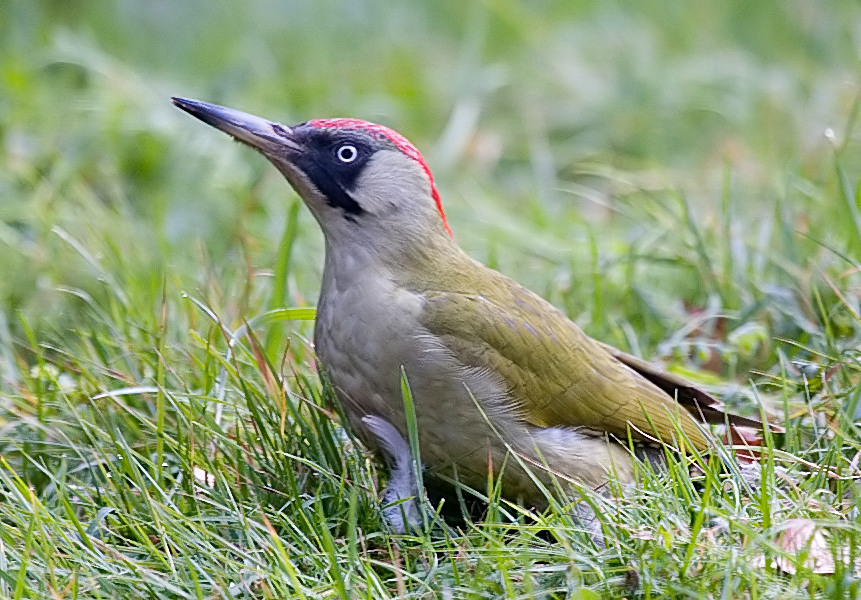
[{"x": 407, "y": 261}]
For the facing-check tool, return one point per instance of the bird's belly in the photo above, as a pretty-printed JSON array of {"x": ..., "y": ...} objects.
[
  {"x": 468, "y": 424},
  {"x": 367, "y": 360}
]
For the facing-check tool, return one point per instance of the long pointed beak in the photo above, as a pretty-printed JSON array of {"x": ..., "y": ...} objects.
[{"x": 266, "y": 136}]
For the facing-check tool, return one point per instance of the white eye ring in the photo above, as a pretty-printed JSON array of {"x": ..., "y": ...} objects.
[{"x": 347, "y": 153}]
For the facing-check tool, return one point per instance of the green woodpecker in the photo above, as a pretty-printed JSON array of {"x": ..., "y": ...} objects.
[{"x": 502, "y": 382}]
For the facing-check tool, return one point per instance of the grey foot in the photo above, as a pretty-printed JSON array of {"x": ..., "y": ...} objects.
[
  {"x": 402, "y": 508},
  {"x": 589, "y": 520}
]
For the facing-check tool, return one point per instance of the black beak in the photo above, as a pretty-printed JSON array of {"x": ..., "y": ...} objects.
[{"x": 266, "y": 136}]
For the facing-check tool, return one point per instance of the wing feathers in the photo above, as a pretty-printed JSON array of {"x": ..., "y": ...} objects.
[{"x": 556, "y": 374}]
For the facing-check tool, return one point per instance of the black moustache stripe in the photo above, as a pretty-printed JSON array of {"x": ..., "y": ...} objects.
[{"x": 335, "y": 193}]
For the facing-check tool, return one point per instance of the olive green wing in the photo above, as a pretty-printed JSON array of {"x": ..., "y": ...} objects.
[
  {"x": 557, "y": 375},
  {"x": 702, "y": 404}
]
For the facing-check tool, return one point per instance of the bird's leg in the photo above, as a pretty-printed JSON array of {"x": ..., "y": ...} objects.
[
  {"x": 402, "y": 507},
  {"x": 588, "y": 519}
]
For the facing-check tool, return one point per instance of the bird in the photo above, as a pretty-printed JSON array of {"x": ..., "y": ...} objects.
[{"x": 501, "y": 382}]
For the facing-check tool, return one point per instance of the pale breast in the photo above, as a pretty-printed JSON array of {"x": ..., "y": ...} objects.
[{"x": 366, "y": 334}]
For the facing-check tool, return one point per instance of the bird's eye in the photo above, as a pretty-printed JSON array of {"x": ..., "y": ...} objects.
[{"x": 347, "y": 153}]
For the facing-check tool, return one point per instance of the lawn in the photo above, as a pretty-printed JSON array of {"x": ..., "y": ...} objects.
[{"x": 683, "y": 179}]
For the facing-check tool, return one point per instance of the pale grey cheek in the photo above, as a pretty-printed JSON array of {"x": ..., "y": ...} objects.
[{"x": 391, "y": 183}]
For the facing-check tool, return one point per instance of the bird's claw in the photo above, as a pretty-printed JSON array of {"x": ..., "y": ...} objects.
[{"x": 402, "y": 508}]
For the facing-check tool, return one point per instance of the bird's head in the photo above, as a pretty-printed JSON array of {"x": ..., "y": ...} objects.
[{"x": 359, "y": 179}]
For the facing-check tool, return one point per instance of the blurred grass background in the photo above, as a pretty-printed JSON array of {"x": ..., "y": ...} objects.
[
  {"x": 560, "y": 134},
  {"x": 681, "y": 177}
]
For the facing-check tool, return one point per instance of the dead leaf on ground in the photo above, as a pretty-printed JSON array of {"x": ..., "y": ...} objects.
[{"x": 803, "y": 538}]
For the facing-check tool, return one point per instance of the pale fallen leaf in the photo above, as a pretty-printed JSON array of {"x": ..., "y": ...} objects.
[
  {"x": 207, "y": 479},
  {"x": 802, "y": 538},
  {"x": 643, "y": 533}
]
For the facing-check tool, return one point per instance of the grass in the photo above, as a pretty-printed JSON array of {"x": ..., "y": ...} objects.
[{"x": 682, "y": 180}]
